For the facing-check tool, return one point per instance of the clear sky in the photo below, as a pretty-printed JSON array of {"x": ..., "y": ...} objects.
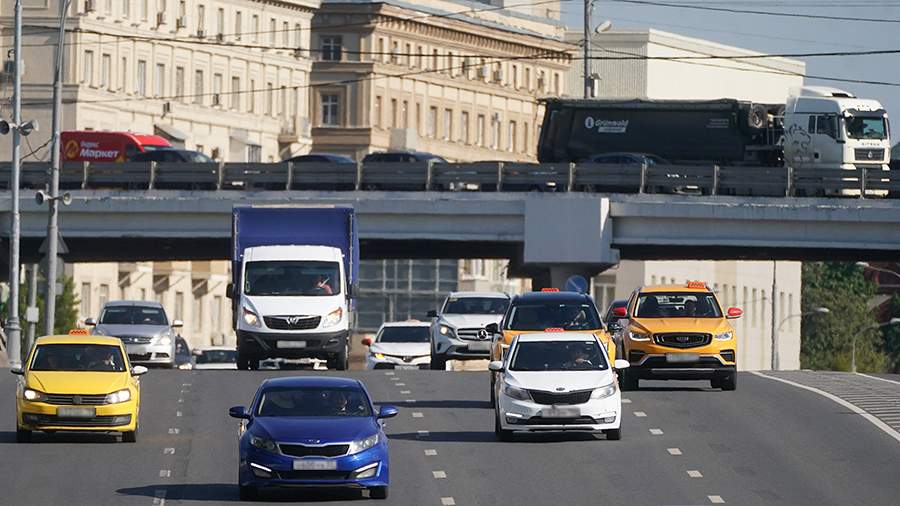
[{"x": 772, "y": 34}]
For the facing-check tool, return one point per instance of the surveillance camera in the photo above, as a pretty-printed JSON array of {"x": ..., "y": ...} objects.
[
  {"x": 40, "y": 197},
  {"x": 28, "y": 127},
  {"x": 4, "y": 127},
  {"x": 66, "y": 198},
  {"x": 604, "y": 26}
]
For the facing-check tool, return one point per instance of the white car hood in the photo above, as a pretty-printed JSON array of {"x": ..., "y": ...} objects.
[
  {"x": 471, "y": 321},
  {"x": 552, "y": 381},
  {"x": 294, "y": 305},
  {"x": 402, "y": 349}
]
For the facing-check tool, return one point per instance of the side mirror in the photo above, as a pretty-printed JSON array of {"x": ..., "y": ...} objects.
[
  {"x": 239, "y": 412},
  {"x": 614, "y": 326},
  {"x": 17, "y": 371},
  {"x": 620, "y": 312},
  {"x": 195, "y": 352},
  {"x": 367, "y": 341},
  {"x": 495, "y": 366},
  {"x": 139, "y": 370},
  {"x": 229, "y": 291},
  {"x": 621, "y": 364},
  {"x": 90, "y": 322},
  {"x": 492, "y": 328},
  {"x": 387, "y": 412},
  {"x": 431, "y": 314},
  {"x": 177, "y": 324},
  {"x": 734, "y": 312}
]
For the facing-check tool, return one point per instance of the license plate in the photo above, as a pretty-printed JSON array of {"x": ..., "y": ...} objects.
[
  {"x": 291, "y": 344},
  {"x": 406, "y": 367},
  {"x": 682, "y": 358},
  {"x": 555, "y": 412},
  {"x": 480, "y": 346},
  {"x": 315, "y": 465},
  {"x": 76, "y": 412}
]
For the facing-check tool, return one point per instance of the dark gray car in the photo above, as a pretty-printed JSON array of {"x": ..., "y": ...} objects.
[{"x": 144, "y": 329}]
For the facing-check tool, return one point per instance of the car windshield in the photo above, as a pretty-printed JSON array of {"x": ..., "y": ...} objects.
[
  {"x": 677, "y": 305},
  {"x": 568, "y": 316},
  {"x": 860, "y": 127},
  {"x": 281, "y": 277},
  {"x": 78, "y": 357},
  {"x": 404, "y": 335},
  {"x": 558, "y": 356},
  {"x": 133, "y": 315},
  {"x": 475, "y": 305},
  {"x": 151, "y": 147},
  {"x": 217, "y": 357},
  {"x": 197, "y": 157},
  {"x": 314, "y": 402}
]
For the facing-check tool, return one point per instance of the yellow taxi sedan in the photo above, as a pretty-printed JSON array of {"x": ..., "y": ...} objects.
[{"x": 78, "y": 383}]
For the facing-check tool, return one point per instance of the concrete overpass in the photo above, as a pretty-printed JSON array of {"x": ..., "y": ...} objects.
[{"x": 542, "y": 233}]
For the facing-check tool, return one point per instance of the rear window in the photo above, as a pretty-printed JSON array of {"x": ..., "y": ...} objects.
[
  {"x": 540, "y": 316},
  {"x": 133, "y": 315}
]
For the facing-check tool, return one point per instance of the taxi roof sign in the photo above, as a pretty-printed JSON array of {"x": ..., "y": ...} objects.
[
  {"x": 554, "y": 329},
  {"x": 696, "y": 284},
  {"x": 79, "y": 332},
  {"x": 549, "y": 289}
]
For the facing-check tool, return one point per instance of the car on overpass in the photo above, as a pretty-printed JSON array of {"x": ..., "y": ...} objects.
[
  {"x": 144, "y": 328},
  {"x": 458, "y": 329},
  {"x": 678, "y": 332},
  {"x": 399, "y": 345},
  {"x": 557, "y": 381},
  {"x": 78, "y": 382},
  {"x": 312, "y": 432}
]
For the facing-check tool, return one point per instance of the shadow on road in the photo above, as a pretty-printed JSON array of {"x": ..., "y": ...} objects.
[
  {"x": 9, "y": 437},
  {"x": 226, "y": 492},
  {"x": 488, "y": 436},
  {"x": 449, "y": 404},
  {"x": 671, "y": 389}
]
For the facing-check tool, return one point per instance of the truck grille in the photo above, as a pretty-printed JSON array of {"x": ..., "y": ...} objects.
[
  {"x": 474, "y": 334},
  {"x": 298, "y": 450},
  {"x": 869, "y": 154},
  {"x": 70, "y": 399},
  {"x": 292, "y": 322},
  {"x": 682, "y": 340},
  {"x": 135, "y": 339},
  {"x": 550, "y": 398}
]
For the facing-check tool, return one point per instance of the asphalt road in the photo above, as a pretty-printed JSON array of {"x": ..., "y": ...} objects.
[{"x": 683, "y": 443}]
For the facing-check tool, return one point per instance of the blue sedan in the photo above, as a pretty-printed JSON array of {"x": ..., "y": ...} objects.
[{"x": 313, "y": 431}]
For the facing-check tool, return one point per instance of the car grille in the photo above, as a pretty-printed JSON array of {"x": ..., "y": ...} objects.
[
  {"x": 137, "y": 357},
  {"x": 298, "y": 450},
  {"x": 539, "y": 420},
  {"x": 313, "y": 475},
  {"x": 472, "y": 334},
  {"x": 97, "y": 421},
  {"x": 70, "y": 399},
  {"x": 682, "y": 340},
  {"x": 865, "y": 154},
  {"x": 292, "y": 322},
  {"x": 550, "y": 398},
  {"x": 405, "y": 358},
  {"x": 135, "y": 339}
]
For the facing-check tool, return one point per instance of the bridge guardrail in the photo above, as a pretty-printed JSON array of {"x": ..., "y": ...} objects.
[{"x": 480, "y": 176}]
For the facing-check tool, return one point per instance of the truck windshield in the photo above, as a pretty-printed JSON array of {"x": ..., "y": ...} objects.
[
  {"x": 475, "y": 305},
  {"x": 289, "y": 277},
  {"x": 677, "y": 305},
  {"x": 860, "y": 127}
]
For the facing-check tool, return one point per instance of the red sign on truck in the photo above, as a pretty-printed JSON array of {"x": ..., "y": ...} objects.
[{"x": 91, "y": 146}]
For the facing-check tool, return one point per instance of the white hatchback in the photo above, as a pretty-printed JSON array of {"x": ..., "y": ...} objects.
[{"x": 557, "y": 381}]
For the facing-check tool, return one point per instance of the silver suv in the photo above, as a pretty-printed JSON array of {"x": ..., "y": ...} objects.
[
  {"x": 458, "y": 333},
  {"x": 144, "y": 329}
]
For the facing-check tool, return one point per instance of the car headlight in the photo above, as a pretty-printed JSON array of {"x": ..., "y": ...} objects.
[
  {"x": 363, "y": 444},
  {"x": 638, "y": 336},
  {"x": 604, "y": 391},
  {"x": 123, "y": 395},
  {"x": 164, "y": 340},
  {"x": 333, "y": 318},
  {"x": 516, "y": 393},
  {"x": 251, "y": 318},
  {"x": 33, "y": 395},
  {"x": 263, "y": 444},
  {"x": 447, "y": 331},
  {"x": 725, "y": 336}
]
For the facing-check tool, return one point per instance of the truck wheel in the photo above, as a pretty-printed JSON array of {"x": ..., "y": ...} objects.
[
  {"x": 438, "y": 363},
  {"x": 341, "y": 361}
]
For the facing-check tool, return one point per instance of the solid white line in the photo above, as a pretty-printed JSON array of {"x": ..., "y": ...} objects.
[
  {"x": 431, "y": 453},
  {"x": 673, "y": 451},
  {"x": 439, "y": 475},
  {"x": 871, "y": 418},
  {"x": 165, "y": 473},
  {"x": 640, "y": 414},
  {"x": 656, "y": 432},
  {"x": 169, "y": 451},
  {"x": 877, "y": 378},
  {"x": 417, "y": 414},
  {"x": 447, "y": 501},
  {"x": 695, "y": 474},
  {"x": 716, "y": 499}
]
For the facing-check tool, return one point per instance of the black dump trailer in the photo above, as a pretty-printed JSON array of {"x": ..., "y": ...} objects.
[{"x": 724, "y": 131}]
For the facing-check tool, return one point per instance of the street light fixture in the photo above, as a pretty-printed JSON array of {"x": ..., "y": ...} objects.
[
  {"x": 892, "y": 321},
  {"x": 866, "y": 265},
  {"x": 822, "y": 310}
]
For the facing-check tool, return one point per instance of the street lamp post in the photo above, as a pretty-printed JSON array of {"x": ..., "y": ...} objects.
[
  {"x": 866, "y": 265},
  {"x": 777, "y": 330},
  {"x": 892, "y": 321}
]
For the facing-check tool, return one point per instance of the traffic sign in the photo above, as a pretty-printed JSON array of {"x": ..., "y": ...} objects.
[{"x": 576, "y": 283}]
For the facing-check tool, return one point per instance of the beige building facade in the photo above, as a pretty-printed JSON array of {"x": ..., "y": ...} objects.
[{"x": 396, "y": 76}]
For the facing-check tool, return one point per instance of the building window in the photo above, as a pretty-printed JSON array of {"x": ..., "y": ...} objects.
[
  {"x": 395, "y": 53},
  {"x": 86, "y": 300},
  {"x": 197, "y": 316},
  {"x": 511, "y": 137},
  {"x": 179, "y": 84},
  {"x": 331, "y": 110},
  {"x": 141, "y": 78},
  {"x": 395, "y": 120},
  {"x": 434, "y": 59},
  {"x": 408, "y": 57},
  {"x": 480, "y": 131},
  {"x": 198, "y": 87},
  {"x": 298, "y": 35},
  {"x": 284, "y": 102},
  {"x": 448, "y": 124},
  {"x": 159, "y": 80},
  {"x": 542, "y": 82},
  {"x": 251, "y": 97},
  {"x": 238, "y": 25},
  {"x": 270, "y": 99},
  {"x": 103, "y": 295},
  {"x": 179, "y": 306},
  {"x": 106, "y": 71},
  {"x": 236, "y": 93},
  {"x": 495, "y": 138},
  {"x": 420, "y": 51},
  {"x": 217, "y": 89},
  {"x": 182, "y": 8},
  {"x": 432, "y": 122},
  {"x": 464, "y": 127},
  {"x": 377, "y": 112},
  {"x": 220, "y": 22},
  {"x": 285, "y": 33},
  {"x": 273, "y": 29},
  {"x": 556, "y": 85},
  {"x": 255, "y": 27},
  {"x": 87, "y": 76},
  {"x": 201, "y": 19},
  {"x": 528, "y": 78},
  {"x": 254, "y": 154},
  {"x": 404, "y": 115},
  {"x": 126, "y": 9},
  {"x": 515, "y": 77},
  {"x": 419, "y": 118},
  {"x": 450, "y": 69},
  {"x": 145, "y": 10},
  {"x": 123, "y": 77},
  {"x": 525, "y": 142},
  {"x": 332, "y": 47}
]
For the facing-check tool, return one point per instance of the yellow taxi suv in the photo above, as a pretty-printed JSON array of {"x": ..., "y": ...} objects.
[
  {"x": 78, "y": 382},
  {"x": 549, "y": 310},
  {"x": 678, "y": 332}
]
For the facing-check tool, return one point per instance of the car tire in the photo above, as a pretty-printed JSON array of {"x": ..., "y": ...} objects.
[
  {"x": 629, "y": 382},
  {"x": 341, "y": 361},
  {"x": 438, "y": 363},
  {"x": 728, "y": 383},
  {"x": 493, "y": 391},
  {"x": 378, "y": 492},
  {"x": 243, "y": 363},
  {"x": 247, "y": 493},
  {"x": 130, "y": 436},
  {"x": 613, "y": 434},
  {"x": 502, "y": 434},
  {"x": 23, "y": 436}
]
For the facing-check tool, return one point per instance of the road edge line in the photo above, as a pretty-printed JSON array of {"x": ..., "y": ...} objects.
[
  {"x": 852, "y": 407},
  {"x": 877, "y": 378}
]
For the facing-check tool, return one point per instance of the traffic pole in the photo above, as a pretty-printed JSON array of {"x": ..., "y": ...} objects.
[
  {"x": 588, "y": 82},
  {"x": 32, "y": 302},
  {"x": 13, "y": 328}
]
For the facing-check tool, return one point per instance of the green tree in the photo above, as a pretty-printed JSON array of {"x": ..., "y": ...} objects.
[
  {"x": 826, "y": 340},
  {"x": 66, "y": 307},
  {"x": 891, "y": 335}
]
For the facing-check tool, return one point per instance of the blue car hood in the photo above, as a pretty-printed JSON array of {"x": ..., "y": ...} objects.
[{"x": 325, "y": 430}]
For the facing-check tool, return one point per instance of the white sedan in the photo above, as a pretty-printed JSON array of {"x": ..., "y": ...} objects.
[
  {"x": 400, "y": 345},
  {"x": 218, "y": 357},
  {"x": 557, "y": 381}
]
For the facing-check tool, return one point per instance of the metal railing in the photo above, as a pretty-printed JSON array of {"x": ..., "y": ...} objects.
[{"x": 481, "y": 176}]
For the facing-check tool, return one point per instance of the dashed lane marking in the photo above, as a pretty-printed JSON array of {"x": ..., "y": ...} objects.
[
  {"x": 417, "y": 414},
  {"x": 431, "y": 453},
  {"x": 640, "y": 414},
  {"x": 447, "y": 501},
  {"x": 399, "y": 384},
  {"x": 716, "y": 499},
  {"x": 695, "y": 474},
  {"x": 165, "y": 473},
  {"x": 173, "y": 430},
  {"x": 626, "y": 401},
  {"x": 159, "y": 497},
  {"x": 178, "y": 413},
  {"x": 439, "y": 475},
  {"x": 169, "y": 451},
  {"x": 656, "y": 432},
  {"x": 180, "y": 401},
  {"x": 673, "y": 451},
  {"x": 405, "y": 392}
]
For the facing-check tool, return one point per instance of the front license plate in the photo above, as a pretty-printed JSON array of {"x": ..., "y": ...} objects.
[
  {"x": 406, "y": 366},
  {"x": 555, "y": 412},
  {"x": 76, "y": 412},
  {"x": 315, "y": 465},
  {"x": 682, "y": 358},
  {"x": 291, "y": 344},
  {"x": 480, "y": 346}
]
